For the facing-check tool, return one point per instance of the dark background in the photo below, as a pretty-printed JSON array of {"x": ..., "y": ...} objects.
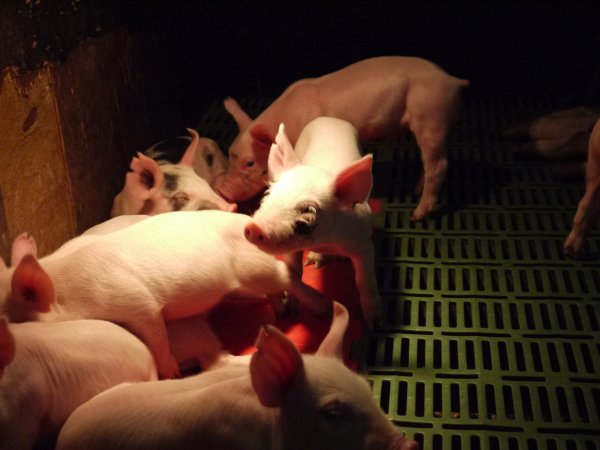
[{"x": 256, "y": 49}]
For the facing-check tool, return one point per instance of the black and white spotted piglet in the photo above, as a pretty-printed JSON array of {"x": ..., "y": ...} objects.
[{"x": 157, "y": 186}]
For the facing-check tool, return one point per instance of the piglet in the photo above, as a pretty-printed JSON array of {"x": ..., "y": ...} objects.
[
  {"x": 562, "y": 135},
  {"x": 209, "y": 162},
  {"x": 379, "y": 96},
  {"x": 589, "y": 205},
  {"x": 49, "y": 369},
  {"x": 153, "y": 188},
  {"x": 191, "y": 339},
  {"x": 317, "y": 201},
  {"x": 165, "y": 267},
  {"x": 284, "y": 400}
]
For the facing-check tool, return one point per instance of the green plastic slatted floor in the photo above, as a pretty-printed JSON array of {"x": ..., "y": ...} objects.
[{"x": 491, "y": 337}]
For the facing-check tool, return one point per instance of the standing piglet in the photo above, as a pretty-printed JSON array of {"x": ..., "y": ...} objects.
[
  {"x": 379, "y": 96},
  {"x": 191, "y": 339},
  {"x": 165, "y": 267},
  {"x": 56, "y": 367},
  {"x": 284, "y": 401},
  {"x": 153, "y": 188},
  {"x": 318, "y": 201},
  {"x": 589, "y": 206}
]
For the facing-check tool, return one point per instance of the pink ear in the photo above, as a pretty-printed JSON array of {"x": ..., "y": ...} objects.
[
  {"x": 282, "y": 156},
  {"x": 22, "y": 245},
  {"x": 189, "y": 157},
  {"x": 353, "y": 184},
  {"x": 242, "y": 119},
  {"x": 333, "y": 344},
  {"x": 261, "y": 138},
  {"x": 145, "y": 176},
  {"x": 275, "y": 366},
  {"x": 30, "y": 283}
]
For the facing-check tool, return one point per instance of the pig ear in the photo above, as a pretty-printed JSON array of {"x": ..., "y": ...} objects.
[
  {"x": 353, "y": 185},
  {"x": 333, "y": 344},
  {"x": 275, "y": 366},
  {"x": 261, "y": 138},
  {"x": 30, "y": 283},
  {"x": 7, "y": 345},
  {"x": 145, "y": 176},
  {"x": 22, "y": 245},
  {"x": 282, "y": 156},
  {"x": 242, "y": 119},
  {"x": 189, "y": 157}
]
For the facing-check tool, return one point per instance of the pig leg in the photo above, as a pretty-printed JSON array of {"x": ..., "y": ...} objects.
[
  {"x": 431, "y": 141},
  {"x": 587, "y": 212},
  {"x": 306, "y": 295},
  {"x": 366, "y": 282},
  {"x": 153, "y": 332}
]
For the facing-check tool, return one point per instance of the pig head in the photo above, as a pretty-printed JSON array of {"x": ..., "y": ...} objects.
[
  {"x": 284, "y": 400},
  {"x": 153, "y": 188},
  {"x": 52, "y": 368},
  {"x": 589, "y": 205},
  {"x": 320, "y": 203}
]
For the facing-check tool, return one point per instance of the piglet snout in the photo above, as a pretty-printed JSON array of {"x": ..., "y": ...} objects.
[{"x": 254, "y": 233}]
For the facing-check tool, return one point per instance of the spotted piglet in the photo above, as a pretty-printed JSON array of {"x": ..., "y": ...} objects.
[{"x": 154, "y": 187}]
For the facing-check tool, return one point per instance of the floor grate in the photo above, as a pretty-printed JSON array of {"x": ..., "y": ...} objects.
[{"x": 491, "y": 336}]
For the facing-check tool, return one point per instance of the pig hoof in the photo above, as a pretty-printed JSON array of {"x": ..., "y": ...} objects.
[
  {"x": 573, "y": 247},
  {"x": 417, "y": 216},
  {"x": 318, "y": 259}
]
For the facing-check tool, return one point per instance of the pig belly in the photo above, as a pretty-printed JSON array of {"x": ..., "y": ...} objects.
[{"x": 186, "y": 306}]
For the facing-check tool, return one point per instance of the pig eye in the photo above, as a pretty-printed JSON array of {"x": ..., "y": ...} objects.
[
  {"x": 336, "y": 412},
  {"x": 307, "y": 209},
  {"x": 179, "y": 201},
  {"x": 249, "y": 163}
]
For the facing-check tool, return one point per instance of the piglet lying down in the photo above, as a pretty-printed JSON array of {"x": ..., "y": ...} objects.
[
  {"x": 284, "y": 400},
  {"x": 49, "y": 369}
]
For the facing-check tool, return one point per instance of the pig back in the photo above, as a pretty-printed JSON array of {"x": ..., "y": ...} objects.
[
  {"x": 328, "y": 143},
  {"x": 213, "y": 410}
]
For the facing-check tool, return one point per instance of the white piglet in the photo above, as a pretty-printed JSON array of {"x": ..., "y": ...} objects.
[
  {"x": 284, "y": 400},
  {"x": 191, "y": 339},
  {"x": 317, "y": 201},
  {"x": 166, "y": 267},
  {"x": 49, "y": 369}
]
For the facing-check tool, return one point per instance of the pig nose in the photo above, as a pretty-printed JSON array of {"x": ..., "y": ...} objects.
[{"x": 254, "y": 233}]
